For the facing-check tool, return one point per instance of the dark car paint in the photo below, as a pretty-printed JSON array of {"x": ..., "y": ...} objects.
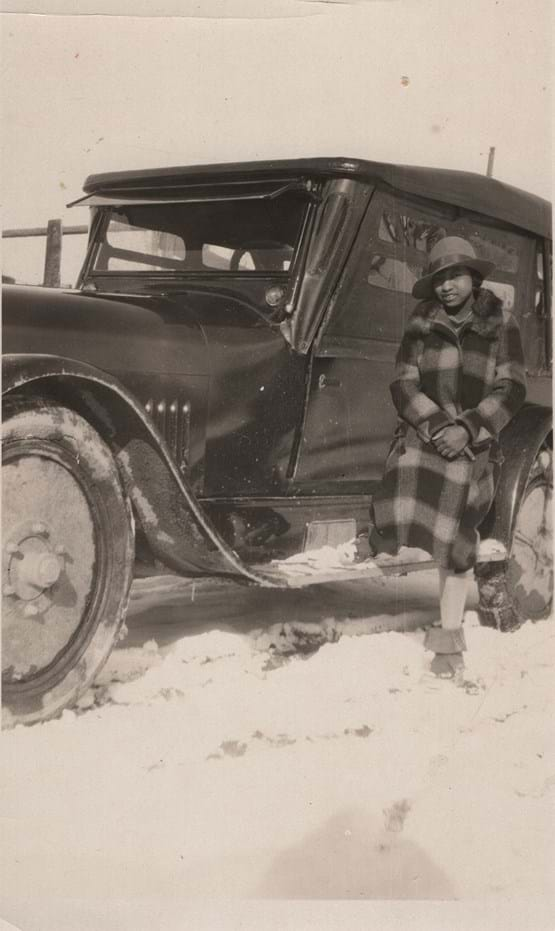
[
  {"x": 177, "y": 528},
  {"x": 269, "y": 420},
  {"x": 148, "y": 343},
  {"x": 126, "y": 332},
  {"x": 243, "y": 383},
  {"x": 463, "y": 188}
]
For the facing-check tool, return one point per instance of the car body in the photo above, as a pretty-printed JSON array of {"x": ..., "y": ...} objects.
[{"x": 232, "y": 337}]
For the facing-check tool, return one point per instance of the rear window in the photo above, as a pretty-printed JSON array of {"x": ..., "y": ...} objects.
[{"x": 221, "y": 237}]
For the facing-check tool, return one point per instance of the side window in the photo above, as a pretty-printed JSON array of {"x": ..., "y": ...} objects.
[
  {"x": 548, "y": 292},
  {"x": 539, "y": 292},
  {"x": 392, "y": 253},
  {"x": 536, "y": 323},
  {"x": 507, "y": 250}
]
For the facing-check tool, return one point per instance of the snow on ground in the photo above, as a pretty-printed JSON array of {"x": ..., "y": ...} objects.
[{"x": 239, "y": 761}]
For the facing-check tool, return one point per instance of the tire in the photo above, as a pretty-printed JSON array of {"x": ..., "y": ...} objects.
[
  {"x": 67, "y": 558},
  {"x": 521, "y": 587}
]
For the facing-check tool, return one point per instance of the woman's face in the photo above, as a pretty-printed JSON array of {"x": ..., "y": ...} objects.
[{"x": 453, "y": 286}]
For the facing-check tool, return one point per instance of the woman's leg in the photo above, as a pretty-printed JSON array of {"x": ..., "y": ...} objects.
[
  {"x": 453, "y": 588},
  {"x": 447, "y": 641}
]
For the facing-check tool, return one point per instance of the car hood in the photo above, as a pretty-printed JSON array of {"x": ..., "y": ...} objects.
[{"x": 117, "y": 333}]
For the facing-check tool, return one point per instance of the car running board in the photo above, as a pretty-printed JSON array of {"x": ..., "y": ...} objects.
[
  {"x": 340, "y": 564},
  {"x": 313, "y": 567}
]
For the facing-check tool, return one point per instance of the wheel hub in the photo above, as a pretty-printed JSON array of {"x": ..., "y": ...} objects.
[
  {"x": 48, "y": 559},
  {"x": 33, "y": 563}
]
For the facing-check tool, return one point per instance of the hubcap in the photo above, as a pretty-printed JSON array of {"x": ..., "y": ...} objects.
[
  {"x": 48, "y": 560},
  {"x": 30, "y": 562}
]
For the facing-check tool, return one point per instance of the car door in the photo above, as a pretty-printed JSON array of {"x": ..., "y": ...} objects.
[{"x": 350, "y": 416}]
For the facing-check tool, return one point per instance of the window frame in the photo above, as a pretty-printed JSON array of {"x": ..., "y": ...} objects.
[{"x": 98, "y": 242}]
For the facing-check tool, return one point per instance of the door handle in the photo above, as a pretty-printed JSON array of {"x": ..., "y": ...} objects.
[{"x": 325, "y": 382}]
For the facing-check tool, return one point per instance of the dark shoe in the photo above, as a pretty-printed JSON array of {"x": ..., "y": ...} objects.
[
  {"x": 447, "y": 665},
  {"x": 448, "y": 662},
  {"x": 363, "y": 550}
]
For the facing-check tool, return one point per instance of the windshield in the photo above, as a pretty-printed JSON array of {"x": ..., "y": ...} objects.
[{"x": 233, "y": 236}]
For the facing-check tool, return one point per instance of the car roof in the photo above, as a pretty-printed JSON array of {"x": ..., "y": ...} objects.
[{"x": 474, "y": 192}]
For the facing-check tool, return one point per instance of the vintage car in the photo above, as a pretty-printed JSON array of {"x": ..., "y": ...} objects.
[{"x": 213, "y": 397}]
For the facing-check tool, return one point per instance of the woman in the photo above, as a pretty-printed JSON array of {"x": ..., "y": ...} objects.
[{"x": 459, "y": 379}]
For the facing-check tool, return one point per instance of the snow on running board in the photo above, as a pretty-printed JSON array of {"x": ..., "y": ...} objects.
[{"x": 339, "y": 563}]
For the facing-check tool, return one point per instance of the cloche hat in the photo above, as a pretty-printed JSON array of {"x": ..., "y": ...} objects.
[{"x": 445, "y": 253}]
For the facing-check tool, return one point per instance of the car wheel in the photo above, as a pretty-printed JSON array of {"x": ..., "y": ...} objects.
[
  {"x": 521, "y": 588},
  {"x": 67, "y": 558}
]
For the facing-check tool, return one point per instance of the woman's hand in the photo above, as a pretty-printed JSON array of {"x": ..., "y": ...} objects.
[{"x": 451, "y": 440}]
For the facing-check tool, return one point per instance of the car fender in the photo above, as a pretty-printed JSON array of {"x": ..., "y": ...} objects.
[
  {"x": 520, "y": 443},
  {"x": 178, "y": 531}
]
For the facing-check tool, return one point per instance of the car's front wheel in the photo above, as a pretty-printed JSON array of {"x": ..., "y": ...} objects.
[
  {"x": 521, "y": 588},
  {"x": 67, "y": 558}
]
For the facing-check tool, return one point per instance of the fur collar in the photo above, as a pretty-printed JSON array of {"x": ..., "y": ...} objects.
[{"x": 487, "y": 315}]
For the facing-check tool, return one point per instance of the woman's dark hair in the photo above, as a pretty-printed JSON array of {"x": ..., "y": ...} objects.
[{"x": 477, "y": 280}]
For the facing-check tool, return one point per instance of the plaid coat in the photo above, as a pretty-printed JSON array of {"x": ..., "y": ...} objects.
[{"x": 475, "y": 378}]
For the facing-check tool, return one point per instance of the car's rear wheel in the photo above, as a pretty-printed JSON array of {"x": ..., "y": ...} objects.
[
  {"x": 521, "y": 588},
  {"x": 67, "y": 558}
]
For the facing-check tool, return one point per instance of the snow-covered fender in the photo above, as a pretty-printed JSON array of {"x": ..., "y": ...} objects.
[
  {"x": 178, "y": 531},
  {"x": 520, "y": 443}
]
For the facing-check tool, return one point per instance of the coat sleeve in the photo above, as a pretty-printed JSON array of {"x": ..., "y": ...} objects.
[
  {"x": 508, "y": 391},
  {"x": 413, "y": 405}
]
